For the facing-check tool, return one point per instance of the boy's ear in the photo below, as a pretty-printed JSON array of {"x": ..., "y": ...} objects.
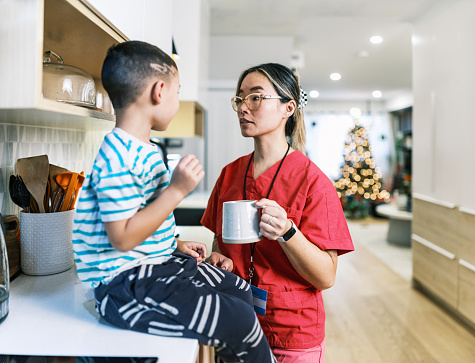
[{"x": 157, "y": 92}]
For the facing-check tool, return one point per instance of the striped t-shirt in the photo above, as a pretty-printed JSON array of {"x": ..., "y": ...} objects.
[{"x": 127, "y": 175}]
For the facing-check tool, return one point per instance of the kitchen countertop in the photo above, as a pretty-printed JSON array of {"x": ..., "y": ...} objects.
[
  {"x": 196, "y": 234},
  {"x": 54, "y": 316},
  {"x": 195, "y": 200}
]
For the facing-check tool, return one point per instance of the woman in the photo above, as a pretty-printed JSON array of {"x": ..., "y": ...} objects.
[{"x": 302, "y": 222}]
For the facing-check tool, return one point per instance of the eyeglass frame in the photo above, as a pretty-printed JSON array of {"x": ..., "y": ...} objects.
[{"x": 244, "y": 100}]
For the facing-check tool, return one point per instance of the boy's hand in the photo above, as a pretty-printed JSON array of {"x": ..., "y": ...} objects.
[
  {"x": 218, "y": 260},
  {"x": 193, "y": 249},
  {"x": 187, "y": 174}
]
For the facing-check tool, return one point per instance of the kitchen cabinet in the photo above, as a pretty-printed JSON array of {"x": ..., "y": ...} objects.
[
  {"x": 436, "y": 269},
  {"x": 71, "y": 28},
  {"x": 189, "y": 121},
  {"x": 444, "y": 254},
  {"x": 466, "y": 304}
]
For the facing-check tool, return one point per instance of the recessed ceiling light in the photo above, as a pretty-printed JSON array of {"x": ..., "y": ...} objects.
[
  {"x": 377, "y": 94},
  {"x": 335, "y": 76},
  {"x": 376, "y": 39},
  {"x": 314, "y": 94}
]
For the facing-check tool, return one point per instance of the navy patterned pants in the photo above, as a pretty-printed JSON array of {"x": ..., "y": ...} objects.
[{"x": 182, "y": 299}]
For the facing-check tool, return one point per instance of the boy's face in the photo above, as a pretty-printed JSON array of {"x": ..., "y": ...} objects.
[{"x": 170, "y": 102}]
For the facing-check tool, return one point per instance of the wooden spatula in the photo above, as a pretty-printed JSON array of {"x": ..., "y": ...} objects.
[
  {"x": 53, "y": 173},
  {"x": 35, "y": 172}
]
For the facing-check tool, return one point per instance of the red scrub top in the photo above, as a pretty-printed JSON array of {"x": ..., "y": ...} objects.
[{"x": 295, "y": 316}]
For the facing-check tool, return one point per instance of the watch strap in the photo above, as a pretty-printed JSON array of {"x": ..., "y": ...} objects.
[{"x": 289, "y": 234}]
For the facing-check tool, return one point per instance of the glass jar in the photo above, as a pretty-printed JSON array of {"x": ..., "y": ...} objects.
[{"x": 4, "y": 274}]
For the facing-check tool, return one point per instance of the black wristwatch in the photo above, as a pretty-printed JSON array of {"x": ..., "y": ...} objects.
[{"x": 289, "y": 234}]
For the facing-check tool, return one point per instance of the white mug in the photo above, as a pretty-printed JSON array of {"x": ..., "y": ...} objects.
[{"x": 241, "y": 222}]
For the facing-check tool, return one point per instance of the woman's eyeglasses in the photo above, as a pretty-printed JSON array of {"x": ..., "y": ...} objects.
[{"x": 252, "y": 101}]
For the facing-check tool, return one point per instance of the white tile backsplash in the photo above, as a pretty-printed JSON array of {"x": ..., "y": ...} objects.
[{"x": 71, "y": 149}]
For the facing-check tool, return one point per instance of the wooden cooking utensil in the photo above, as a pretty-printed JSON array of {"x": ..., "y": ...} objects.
[
  {"x": 35, "y": 171},
  {"x": 54, "y": 170},
  {"x": 12, "y": 225},
  {"x": 71, "y": 183}
]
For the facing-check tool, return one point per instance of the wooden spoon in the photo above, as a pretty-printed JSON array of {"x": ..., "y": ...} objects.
[{"x": 35, "y": 171}]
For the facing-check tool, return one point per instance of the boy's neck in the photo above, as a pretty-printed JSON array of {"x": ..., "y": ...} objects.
[{"x": 134, "y": 123}]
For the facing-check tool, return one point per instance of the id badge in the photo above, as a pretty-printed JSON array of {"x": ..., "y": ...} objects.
[{"x": 259, "y": 298}]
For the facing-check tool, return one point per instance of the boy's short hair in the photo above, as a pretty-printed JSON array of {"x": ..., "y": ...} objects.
[{"x": 129, "y": 66}]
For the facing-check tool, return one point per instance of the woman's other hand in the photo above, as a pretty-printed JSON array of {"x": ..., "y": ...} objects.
[
  {"x": 221, "y": 261},
  {"x": 193, "y": 249},
  {"x": 274, "y": 222}
]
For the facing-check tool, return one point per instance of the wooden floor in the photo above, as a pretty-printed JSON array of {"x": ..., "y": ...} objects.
[{"x": 373, "y": 315}]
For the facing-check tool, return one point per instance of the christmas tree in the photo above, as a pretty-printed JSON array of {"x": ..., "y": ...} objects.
[{"x": 360, "y": 180}]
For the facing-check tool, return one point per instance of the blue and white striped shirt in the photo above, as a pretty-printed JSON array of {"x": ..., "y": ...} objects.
[{"x": 127, "y": 175}]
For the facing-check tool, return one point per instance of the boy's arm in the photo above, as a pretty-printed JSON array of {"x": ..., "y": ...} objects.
[{"x": 126, "y": 234}]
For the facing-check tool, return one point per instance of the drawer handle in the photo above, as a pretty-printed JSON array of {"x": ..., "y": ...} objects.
[
  {"x": 467, "y": 210},
  {"x": 467, "y": 265},
  {"x": 432, "y": 200},
  {"x": 433, "y": 247}
]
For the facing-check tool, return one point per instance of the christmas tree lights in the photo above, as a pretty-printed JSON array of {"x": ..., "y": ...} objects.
[{"x": 359, "y": 176}]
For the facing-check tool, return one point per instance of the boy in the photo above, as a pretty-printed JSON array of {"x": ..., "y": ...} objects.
[{"x": 143, "y": 278}]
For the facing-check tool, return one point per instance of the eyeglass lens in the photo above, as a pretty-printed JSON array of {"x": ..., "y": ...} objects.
[{"x": 253, "y": 101}]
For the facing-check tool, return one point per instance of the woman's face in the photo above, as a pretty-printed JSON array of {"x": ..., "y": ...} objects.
[{"x": 271, "y": 115}]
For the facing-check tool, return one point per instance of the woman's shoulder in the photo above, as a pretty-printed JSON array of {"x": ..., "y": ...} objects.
[{"x": 315, "y": 177}]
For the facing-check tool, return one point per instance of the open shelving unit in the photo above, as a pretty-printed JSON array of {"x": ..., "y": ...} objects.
[{"x": 71, "y": 28}]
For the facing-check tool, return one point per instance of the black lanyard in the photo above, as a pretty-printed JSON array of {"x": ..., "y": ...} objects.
[{"x": 253, "y": 245}]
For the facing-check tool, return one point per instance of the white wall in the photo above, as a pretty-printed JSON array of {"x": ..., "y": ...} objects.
[
  {"x": 156, "y": 22},
  {"x": 224, "y": 140},
  {"x": 191, "y": 35},
  {"x": 444, "y": 90},
  {"x": 147, "y": 20},
  {"x": 233, "y": 54}
]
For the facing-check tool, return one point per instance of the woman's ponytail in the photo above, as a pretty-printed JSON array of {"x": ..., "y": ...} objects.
[{"x": 297, "y": 135}]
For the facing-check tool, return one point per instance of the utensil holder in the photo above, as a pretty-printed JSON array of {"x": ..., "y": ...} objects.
[{"x": 46, "y": 242}]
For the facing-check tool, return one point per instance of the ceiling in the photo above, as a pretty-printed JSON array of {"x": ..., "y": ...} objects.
[{"x": 331, "y": 35}]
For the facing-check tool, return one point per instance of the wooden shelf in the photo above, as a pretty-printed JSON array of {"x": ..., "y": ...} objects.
[
  {"x": 58, "y": 115},
  {"x": 71, "y": 28},
  {"x": 83, "y": 39}
]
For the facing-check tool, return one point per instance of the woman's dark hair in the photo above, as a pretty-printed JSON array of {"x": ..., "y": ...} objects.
[
  {"x": 129, "y": 66},
  {"x": 287, "y": 86}
]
